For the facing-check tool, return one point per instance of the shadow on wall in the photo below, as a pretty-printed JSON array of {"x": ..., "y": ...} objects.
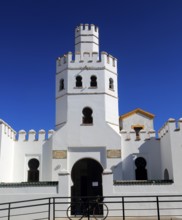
[{"x": 142, "y": 162}]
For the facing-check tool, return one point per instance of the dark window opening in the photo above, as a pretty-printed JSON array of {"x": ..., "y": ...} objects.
[
  {"x": 78, "y": 81},
  {"x": 137, "y": 131},
  {"x": 166, "y": 174},
  {"x": 61, "y": 84},
  {"x": 93, "y": 82},
  {"x": 33, "y": 172},
  {"x": 111, "y": 84},
  {"x": 141, "y": 171},
  {"x": 87, "y": 116}
]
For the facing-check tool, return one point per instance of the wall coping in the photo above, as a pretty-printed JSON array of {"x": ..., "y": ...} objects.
[
  {"x": 143, "y": 182},
  {"x": 28, "y": 184}
]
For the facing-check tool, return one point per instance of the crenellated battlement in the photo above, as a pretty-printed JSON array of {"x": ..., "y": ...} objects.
[
  {"x": 22, "y": 135},
  {"x": 85, "y": 29},
  {"x": 32, "y": 135},
  {"x": 86, "y": 60},
  {"x": 8, "y": 130},
  {"x": 86, "y": 38},
  {"x": 170, "y": 126},
  {"x": 143, "y": 135},
  {"x": 86, "y": 52}
]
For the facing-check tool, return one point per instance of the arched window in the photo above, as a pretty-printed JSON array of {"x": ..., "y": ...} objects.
[
  {"x": 111, "y": 83},
  {"x": 33, "y": 172},
  {"x": 87, "y": 116},
  {"x": 61, "y": 84},
  {"x": 93, "y": 81},
  {"x": 141, "y": 171},
  {"x": 78, "y": 81}
]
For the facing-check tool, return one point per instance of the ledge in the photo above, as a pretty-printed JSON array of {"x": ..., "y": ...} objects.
[
  {"x": 27, "y": 184},
  {"x": 143, "y": 182}
]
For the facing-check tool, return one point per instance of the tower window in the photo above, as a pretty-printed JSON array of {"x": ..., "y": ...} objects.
[
  {"x": 93, "y": 81},
  {"x": 78, "y": 81},
  {"x": 61, "y": 84},
  {"x": 111, "y": 84},
  {"x": 33, "y": 172},
  {"x": 87, "y": 116}
]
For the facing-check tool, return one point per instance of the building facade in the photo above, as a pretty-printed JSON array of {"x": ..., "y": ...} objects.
[{"x": 92, "y": 150}]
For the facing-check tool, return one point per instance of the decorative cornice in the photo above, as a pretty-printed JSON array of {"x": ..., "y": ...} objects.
[
  {"x": 87, "y": 68},
  {"x": 87, "y": 42},
  {"x": 87, "y": 93},
  {"x": 86, "y": 35}
]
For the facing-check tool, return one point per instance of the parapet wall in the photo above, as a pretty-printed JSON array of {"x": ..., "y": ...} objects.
[
  {"x": 32, "y": 135},
  {"x": 143, "y": 135},
  {"x": 7, "y": 130},
  {"x": 86, "y": 60},
  {"x": 86, "y": 29},
  {"x": 22, "y": 135},
  {"x": 171, "y": 125}
]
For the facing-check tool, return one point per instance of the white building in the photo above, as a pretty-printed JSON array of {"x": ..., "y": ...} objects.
[{"x": 92, "y": 150}]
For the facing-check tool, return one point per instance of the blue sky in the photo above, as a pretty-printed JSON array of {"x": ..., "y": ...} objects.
[{"x": 144, "y": 35}]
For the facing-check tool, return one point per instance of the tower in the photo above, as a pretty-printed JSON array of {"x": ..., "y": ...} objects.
[
  {"x": 86, "y": 86},
  {"x": 86, "y": 39}
]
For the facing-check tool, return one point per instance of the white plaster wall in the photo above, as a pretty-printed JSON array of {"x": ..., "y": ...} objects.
[
  {"x": 21, "y": 194},
  {"x": 135, "y": 119},
  {"x": 26, "y": 150},
  {"x": 58, "y": 165},
  {"x": 85, "y": 74},
  {"x": 146, "y": 148},
  {"x": 85, "y": 34},
  {"x": 139, "y": 190},
  {"x": 86, "y": 68},
  {"x": 166, "y": 157},
  {"x": 59, "y": 76},
  {"x": 176, "y": 150},
  {"x": 111, "y": 110},
  {"x": 77, "y": 153},
  {"x": 36, "y": 191},
  {"x": 78, "y": 103},
  {"x": 61, "y": 110},
  {"x": 98, "y": 134},
  {"x": 94, "y": 137},
  {"x": 6, "y": 153},
  {"x": 109, "y": 74},
  {"x": 47, "y": 160}
]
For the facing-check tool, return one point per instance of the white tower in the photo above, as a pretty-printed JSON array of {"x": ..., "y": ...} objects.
[
  {"x": 87, "y": 39},
  {"x": 86, "y": 87}
]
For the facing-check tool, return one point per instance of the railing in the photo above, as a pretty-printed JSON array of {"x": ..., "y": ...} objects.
[{"x": 120, "y": 207}]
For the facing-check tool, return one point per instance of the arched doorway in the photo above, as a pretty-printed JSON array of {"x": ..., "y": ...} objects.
[{"x": 86, "y": 175}]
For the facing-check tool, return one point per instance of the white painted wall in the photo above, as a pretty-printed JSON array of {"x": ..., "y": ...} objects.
[
  {"x": 171, "y": 136},
  {"x": 137, "y": 119},
  {"x": 146, "y": 148},
  {"x": 89, "y": 34},
  {"x": 7, "y": 136}
]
